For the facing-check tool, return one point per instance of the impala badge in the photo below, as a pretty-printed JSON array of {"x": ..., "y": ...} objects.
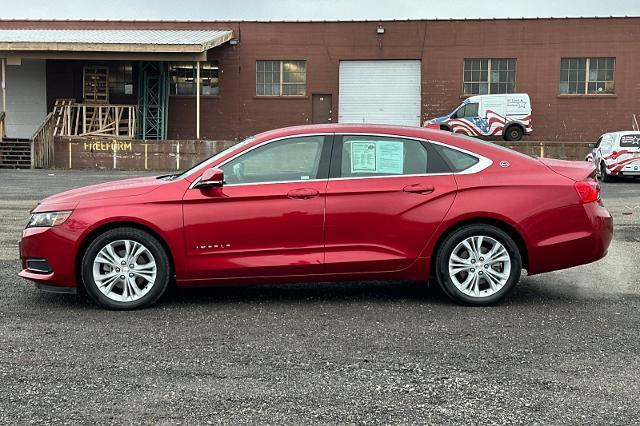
[{"x": 213, "y": 246}]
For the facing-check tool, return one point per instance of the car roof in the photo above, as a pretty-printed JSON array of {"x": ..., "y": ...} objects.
[
  {"x": 385, "y": 129},
  {"x": 623, "y": 132}
]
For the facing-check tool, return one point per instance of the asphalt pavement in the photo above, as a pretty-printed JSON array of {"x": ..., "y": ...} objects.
[{"x": 562, "y": 348}]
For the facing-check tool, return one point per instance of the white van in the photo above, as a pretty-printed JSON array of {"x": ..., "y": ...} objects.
[
  {"x": 508, "y": 115},
  {"x": 617, "y": 154}
]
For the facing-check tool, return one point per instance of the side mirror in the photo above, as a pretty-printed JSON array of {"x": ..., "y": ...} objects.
[
  {"x": 454, "y": 115},
  {"x": 211, "y": 178}
]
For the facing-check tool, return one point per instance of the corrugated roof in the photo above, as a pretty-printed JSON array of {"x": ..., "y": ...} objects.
[{"x": 131, "y": 40}]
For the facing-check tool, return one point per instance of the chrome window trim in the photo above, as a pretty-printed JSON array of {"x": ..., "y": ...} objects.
[
  {"x": 483, "y": 162},
  {"x": 204, "y": 165}
]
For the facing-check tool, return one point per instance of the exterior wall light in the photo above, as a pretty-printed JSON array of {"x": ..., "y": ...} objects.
[
  {"x": 380, "y": 29},
  {"x": 234, "y": 41}
]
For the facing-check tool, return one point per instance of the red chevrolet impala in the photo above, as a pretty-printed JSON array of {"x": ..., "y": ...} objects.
[{"x": 318, "y": 203}]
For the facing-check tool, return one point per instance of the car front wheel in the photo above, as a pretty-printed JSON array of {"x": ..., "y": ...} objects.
[
  {"x": 606, "y": 177},
  {"x": 125, "y": 268},
  {"x": 478, "y": 265}
]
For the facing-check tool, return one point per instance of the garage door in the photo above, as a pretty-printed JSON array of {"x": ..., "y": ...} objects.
[{"x": 385, "y": 92}]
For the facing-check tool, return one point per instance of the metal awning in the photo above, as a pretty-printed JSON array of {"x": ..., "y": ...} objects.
[{"x": 168, "y": 41}]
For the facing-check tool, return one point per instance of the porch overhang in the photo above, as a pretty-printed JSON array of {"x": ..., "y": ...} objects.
[{"x": 110, "y": 44}]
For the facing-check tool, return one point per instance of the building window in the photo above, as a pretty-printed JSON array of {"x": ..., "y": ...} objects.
[
  {"x": 579, "y": 76},
  {"x": 483, "y": 76},
  {"x": 120, "y": 78},
  {"x": 183, "y": 78},
  {"x": 281, "y": 78}
]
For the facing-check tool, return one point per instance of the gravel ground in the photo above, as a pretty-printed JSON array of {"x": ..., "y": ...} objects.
[{"x": 562, "y": 349}]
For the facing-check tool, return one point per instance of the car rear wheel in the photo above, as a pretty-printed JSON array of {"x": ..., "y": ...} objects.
[
  {"x": 513, "y": 133},
  {"x": 478, "y": 265},
  {"x": 125, "y": 268}
]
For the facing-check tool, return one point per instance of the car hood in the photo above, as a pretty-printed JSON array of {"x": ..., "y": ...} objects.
[
  {"x": 437, "y": 119},
  {"x": 114, "y": 189}
]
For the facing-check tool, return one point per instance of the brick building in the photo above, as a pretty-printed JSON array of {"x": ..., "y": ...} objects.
[{"x": 581, "y": 73}]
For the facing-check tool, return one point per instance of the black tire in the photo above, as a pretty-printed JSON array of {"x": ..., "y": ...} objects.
[
  {"x": 452, "y": 241},
  {"x": 513, "y": 133},
  {"x": 163, "y": 268},
  {"x": 606, "y": 177}
]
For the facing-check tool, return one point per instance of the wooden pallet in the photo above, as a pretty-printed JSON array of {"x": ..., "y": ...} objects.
[
  {"x": 61, "y": 116},
  {"x": 96, "y": 84}
]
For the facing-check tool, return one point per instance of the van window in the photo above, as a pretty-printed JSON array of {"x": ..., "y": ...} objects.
[
  {"x": 468, "y": 110},
  {"x": 630, "y": 141}
]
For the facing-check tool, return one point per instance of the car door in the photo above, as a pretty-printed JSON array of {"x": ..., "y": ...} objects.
[
  {"x": 385, "y": 198},
  {"x": 268, "y": 217}
]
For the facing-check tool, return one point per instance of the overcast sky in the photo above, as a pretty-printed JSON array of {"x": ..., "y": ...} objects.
[{"x": 311, "y": 9}]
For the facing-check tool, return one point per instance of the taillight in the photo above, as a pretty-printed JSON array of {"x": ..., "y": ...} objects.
[{"x": 588, "y": 191}]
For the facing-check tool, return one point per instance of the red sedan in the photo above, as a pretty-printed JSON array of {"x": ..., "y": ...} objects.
[{"x": 318, "y": 203}]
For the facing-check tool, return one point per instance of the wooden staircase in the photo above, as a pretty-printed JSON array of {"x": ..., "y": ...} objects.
[{"x": 15, "y": 154}]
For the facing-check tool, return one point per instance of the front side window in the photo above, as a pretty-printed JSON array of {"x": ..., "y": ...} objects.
[
  {"x": 183, "y": 78},
  {"x": 579, "y": 76},
  {"x": 484, "y": 76},
  {"x": 468, "y": 110},
  {"x": 293, "y": 159},
  {"x": 281, "y": 78}
]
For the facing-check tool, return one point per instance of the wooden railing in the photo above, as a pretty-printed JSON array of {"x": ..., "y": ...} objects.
[
  {"x": 96, "y": 120},
  {"x": 42, "y": 144},
  {"x": 2, "y": 130}
]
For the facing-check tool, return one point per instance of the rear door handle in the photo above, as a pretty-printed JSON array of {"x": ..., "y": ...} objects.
[
  {"x": 418, "y": 188},
  {"x": 303, "y": 193}
]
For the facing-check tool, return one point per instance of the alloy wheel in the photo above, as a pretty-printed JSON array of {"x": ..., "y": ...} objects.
[
  {"x": 124, "y": 270},
  {"x": 479, "y": 266}
]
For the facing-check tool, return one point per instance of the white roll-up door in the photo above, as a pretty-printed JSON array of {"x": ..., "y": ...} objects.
[{"x": 383, "y": 92}]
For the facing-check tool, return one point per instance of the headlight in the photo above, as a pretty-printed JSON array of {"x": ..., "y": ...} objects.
[{"x": 48, "y": 219}]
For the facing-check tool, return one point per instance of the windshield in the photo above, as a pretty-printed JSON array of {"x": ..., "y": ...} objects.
[{"x": 210, "y": 160}]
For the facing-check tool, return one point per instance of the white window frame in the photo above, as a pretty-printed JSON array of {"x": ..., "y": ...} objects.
[{"x": 281, "y": 83}]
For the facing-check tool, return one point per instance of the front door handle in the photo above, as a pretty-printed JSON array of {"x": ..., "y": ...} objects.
[
  {"x": 418, "y": 188},
  {"x": 303, "y": 193}
]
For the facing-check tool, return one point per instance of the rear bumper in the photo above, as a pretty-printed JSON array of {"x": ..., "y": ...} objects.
[{"x": 577, "y": 247}]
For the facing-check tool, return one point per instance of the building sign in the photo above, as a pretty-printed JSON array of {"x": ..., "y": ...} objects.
[{"x": 107, "y": 146}]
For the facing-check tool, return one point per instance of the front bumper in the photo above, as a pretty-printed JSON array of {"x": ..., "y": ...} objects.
[{"x": 53, "y": 246}]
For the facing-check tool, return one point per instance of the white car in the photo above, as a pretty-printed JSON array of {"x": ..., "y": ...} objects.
[{"x": 617, "y": 154}]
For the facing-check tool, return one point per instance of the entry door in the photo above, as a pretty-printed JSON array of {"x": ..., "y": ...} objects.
[
  {"x": 268, "y": 217},
  {"x": 387, "y": 199},
  {"x": 321, "y": 109}
]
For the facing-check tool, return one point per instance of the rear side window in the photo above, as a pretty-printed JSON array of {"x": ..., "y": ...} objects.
[
  {"x": 458, "y": 161},
  {"x": 365, "y": 155},
  {"x": 630, "y": 141}
]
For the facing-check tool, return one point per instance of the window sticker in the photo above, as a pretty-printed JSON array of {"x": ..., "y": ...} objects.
[
  {"x": 363, "y": 157},
  {"x": 390, "y": 157},
  {"x": 377, "y": 157}
]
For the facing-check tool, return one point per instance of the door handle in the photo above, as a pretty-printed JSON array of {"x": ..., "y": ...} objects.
[
  {"x": 418, "y": 188},
  {"x": 303, "y": 193}
]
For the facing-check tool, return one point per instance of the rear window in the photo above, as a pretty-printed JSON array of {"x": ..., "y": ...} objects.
[
  {"x": 458, "y": 160},
  {"x": 630, "y": 141}
]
